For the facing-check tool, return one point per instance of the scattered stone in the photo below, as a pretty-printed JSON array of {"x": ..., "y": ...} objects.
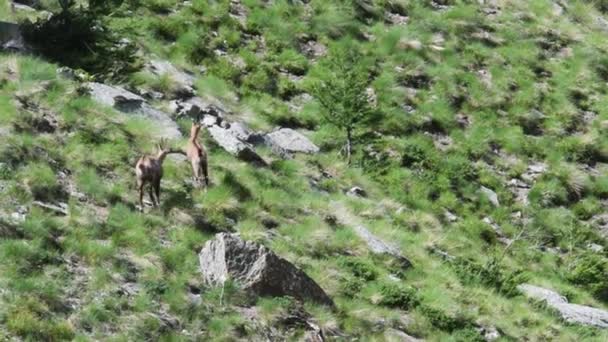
[
  {"x": 490, "y": 195},
  {"x": 313, "y": 49},
  {"x": 22, "y": 7},
  {"x": 286, "y": 141},
  {"x": 499, "y": 232},
  {"x": 394, "y": 335},
  {"x": 60, "y": 208},
  {"x": 375, "y": 245},
  {"x": 356, "y": 191},
  {"x": 238, "y": 11},
  {"x": 489, "y": 333},
  {"x": 601, "y": 223},
  {"x": 463, "y": 120},
  {"x": 396, "y": 19},
  {"x": 410, "y": 44},
  {"x": 571, "y": 313},
  {"x": 257, "y": 269},
  {"x": 129, "y": 103},
  {"x": 594, "y": 247},
  {"x": 229, "y": 142},
  {"x": 449, "y": 216}
]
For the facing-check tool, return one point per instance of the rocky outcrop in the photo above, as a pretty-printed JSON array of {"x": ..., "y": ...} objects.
[
  {"x": 129, "y": 103},
  {"x": 286, "y": 141},
  {"x": 183, "y": 81},
  {"x": 230, "y": 142},
  {"x": 257, "y": 269},
  {"x": 571, "y": 313}
]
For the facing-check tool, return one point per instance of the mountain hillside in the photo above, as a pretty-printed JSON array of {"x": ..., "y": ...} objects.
[{"x": 379, "y": 170}]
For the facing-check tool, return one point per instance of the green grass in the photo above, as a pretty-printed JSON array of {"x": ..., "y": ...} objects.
[{"x": 528, "y": 109}]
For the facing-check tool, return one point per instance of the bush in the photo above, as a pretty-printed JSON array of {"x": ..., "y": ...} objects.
[
  {"x": 443, "y": 321},
  {"x": 492, "y": 274},
  {"x": 396, "y": 296},
  {"x": 351, "y": 287},
  {"x": 41, "y": 181},
  {"x": 359, "y": 268},
  {"x": 591, "y": 272}
]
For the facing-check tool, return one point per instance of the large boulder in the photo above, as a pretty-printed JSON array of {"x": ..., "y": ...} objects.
[
  {"x": 230, "y": 142},
  {"x": 286, "y": 141},
  {"x": 129, "y": 103},
  {"x": 257, "y": 269},
  {"x": 571, "y": 313}
]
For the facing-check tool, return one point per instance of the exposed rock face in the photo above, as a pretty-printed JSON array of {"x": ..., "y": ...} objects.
[
  {"x": 257, "y": 269},
  {"x": 286, "y": 141},
  {"x": 183, "y": 81},
  {"x": 572, "y": 313},
  {"x": 233, "y": 145},
  {"x": 127, "y": 102}
]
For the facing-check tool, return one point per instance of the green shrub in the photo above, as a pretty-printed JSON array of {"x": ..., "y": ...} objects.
[
  {"x": 591, "y": 272},
  {"x": 42, "y": 181},
  {"x": 443, "y": 321},
  {"x": 396, "y": 296},
  {"x": 359, "y": 268},
  {"x": 351, "y": 287},
  {"x": 492, "y": 274},
  {"x": 293, "y": 62}
]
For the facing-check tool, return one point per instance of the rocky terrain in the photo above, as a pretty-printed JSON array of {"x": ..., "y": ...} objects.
[{"x": 381, "y": 170}]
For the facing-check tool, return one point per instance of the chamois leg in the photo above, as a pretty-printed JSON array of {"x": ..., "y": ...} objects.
[
  {"x": 151, "y": 193},
  {"x": 196, "y": 172},
  {"x": 204, "y": 166},
  {"x": 140, "y": 185},
  {"x": 157, "y": 189}
]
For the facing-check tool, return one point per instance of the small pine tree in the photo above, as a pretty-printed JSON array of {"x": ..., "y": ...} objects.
[{"x": 341, "y": 92}]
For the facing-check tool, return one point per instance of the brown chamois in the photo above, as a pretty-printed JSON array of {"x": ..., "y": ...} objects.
[
  {"x": 149, "y": 169},
  {"x": 197, "y": 155}
]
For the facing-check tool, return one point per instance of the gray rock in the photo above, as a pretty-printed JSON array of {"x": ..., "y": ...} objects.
[
  {"x": 257, "y": 269},
  {"x": 129, "y": 103},
  {"x": 209, "y": 120},
  {"x": 11, "y": 38},
  {"x": 449, "y": 216},
  {"x": 594, "y": 247},
  {"x": 229, "y": 142},
  {"x": 60, "y": 208},
  {"x": 240, "y": 131},
  {"x": 571, "y": 313},
  {"x": 375, "y": 245},
  {"x": 378, "y": 246},
  {"x": 22, "y": 7},
  {"x": 394, "y": 335},
  {"x": 183, "y": 80},
  {"x": 286, "y": 141},
  {"x": 490, "y": 195},
  {"x": 356, "y": 191}
]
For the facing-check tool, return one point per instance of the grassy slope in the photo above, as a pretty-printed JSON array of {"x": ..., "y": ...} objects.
[{"x": 61, "y": 277}]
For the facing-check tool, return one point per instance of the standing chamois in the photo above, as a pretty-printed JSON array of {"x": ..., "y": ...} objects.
[
  {"x": 197, "y": 155},
  {"x": 149, "y": 169}
]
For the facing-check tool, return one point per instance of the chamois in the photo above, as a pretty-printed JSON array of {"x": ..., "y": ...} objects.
[
  {"x": 149, "y": 169},
  {"x": 197, "y": 155}
]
